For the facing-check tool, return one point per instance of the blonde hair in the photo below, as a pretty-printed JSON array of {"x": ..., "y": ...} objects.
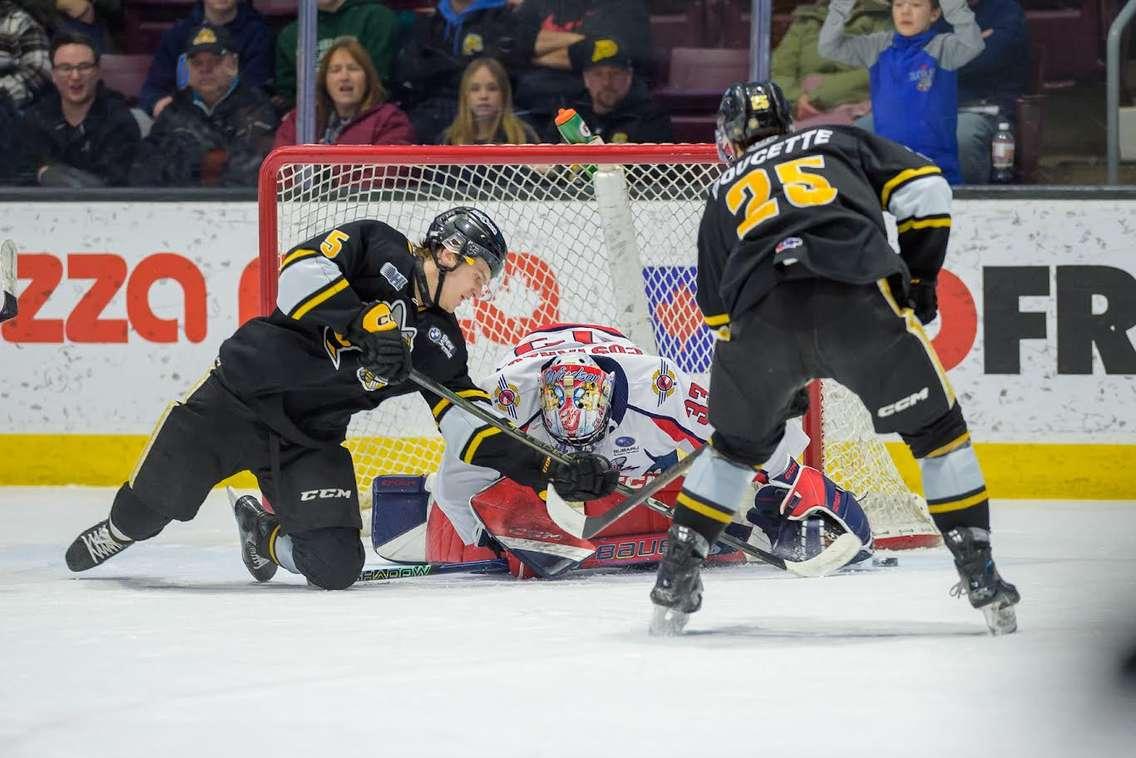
[
  {"x": 375, "y": 94},
  {"x": 463, "y": 131}
]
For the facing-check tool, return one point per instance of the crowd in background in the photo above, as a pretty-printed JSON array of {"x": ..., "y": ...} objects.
[{"x": 220, "y": 91}]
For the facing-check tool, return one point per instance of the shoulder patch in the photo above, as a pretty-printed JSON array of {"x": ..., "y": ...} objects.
[
  {"x": 393, "y": 275},
  {"x": 442, "y": 340}
]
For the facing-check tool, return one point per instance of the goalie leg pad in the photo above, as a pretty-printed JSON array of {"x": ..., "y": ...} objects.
[
  {"x": 800, "y": 492},
  {"x": 398, "y": 515}
]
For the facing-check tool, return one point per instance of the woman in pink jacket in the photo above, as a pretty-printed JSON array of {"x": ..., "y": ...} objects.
[{"x": 351, "y": 104}]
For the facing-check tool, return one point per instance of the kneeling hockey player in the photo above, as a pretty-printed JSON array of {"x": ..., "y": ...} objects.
[
  {"x": 589, "y": 388},
  {"x": 358, "y": 307}
]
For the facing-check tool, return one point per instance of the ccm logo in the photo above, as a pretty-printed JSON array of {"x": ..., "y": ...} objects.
[
  {"x": 904, "y": 404},
  {"x": 324, "y": 494}
]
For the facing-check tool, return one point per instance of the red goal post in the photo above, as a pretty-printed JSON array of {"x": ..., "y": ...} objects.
[{"x": 598, "y": 234}]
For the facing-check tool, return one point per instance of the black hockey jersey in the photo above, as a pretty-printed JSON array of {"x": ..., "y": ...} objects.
[
  {"x": 304, "y": 379},
  {"x": 810, "y": 204}
]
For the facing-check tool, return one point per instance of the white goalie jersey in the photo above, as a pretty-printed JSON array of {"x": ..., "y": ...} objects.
[{"x": 658, "y": 413}]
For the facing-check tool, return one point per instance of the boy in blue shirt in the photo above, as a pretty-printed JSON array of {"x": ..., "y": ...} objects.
[{"x": 912, "y": 72}]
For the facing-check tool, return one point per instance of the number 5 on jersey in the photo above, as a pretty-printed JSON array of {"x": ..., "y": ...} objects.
[{"x": 802, "y": 189}]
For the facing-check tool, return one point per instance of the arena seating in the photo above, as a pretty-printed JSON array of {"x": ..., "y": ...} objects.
[{"x": 125, "y": 73}]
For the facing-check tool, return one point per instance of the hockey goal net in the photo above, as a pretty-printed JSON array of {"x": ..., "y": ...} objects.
[{"x": 597, "y": 234}]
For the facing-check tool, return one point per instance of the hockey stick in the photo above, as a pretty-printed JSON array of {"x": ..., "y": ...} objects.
[
  {"x": 411, "y": 570},
  {"x": 836, "y": 555},
  {"x": 8, "y": 301}
]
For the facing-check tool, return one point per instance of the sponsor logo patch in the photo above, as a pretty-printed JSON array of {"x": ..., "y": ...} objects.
[
  {"x": 902, "y": 405},
  {"x": 624, "y": 441},
  {"x": 393, "y": 275},
  {"x": 439, "y": 338},
  {"x": 789, "y": 243},
  {"x": 327, "y": 493}
]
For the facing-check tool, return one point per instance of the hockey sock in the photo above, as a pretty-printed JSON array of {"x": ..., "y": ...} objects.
[
  {"x": 280, "y": 550},
  {"x": 133, "y": 518},
  {"x": 713, "y": 492},
  {"x": 955, "y": 489}
]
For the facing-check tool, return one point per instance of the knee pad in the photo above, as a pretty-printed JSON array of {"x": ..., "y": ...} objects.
[
  {"x": 744, "y": 452},
  {"x": 135, "y": 518},
  {"x": 948, "y": 429},
  {"x": 330, "y": 558}
]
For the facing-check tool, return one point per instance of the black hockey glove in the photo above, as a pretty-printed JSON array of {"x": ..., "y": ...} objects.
[
  {"x": 923, "y": 300},
  {"x": 586, "y": 476},
  {"x": 377, "y": 335}
]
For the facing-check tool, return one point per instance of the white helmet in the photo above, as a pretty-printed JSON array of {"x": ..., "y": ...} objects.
[{"x": 575, "y": 399}]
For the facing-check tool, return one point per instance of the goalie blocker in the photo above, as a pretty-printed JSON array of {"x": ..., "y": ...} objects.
[{"x": 407, "y": 528}]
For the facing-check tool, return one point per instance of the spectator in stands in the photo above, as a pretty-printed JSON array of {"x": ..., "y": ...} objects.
[
  {"x": 373, "y": 24},
  {"x": 87, "y": 18},
  {"x": 9, "y": 140},
  {"x": 81, "y": 134},
  {"x": 485, "y": 109},
  {"x": 429, "y": 70},
  {"x": 351, "y": 104},
  {"x": 569, "y": 34},
  {"x": 818, "y": 88},
  {"x": 25, "y": 60},
  {"x": 169, "y": 71},
  {"x": 913, "y": 72},
  {"x": 613, "y": 109},
  {"x": 214, "y": 132},
  {"x": 989, "y": 86}
]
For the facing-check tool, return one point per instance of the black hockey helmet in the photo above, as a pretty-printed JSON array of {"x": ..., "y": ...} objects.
[
  {"x": 750, "y": 111},
  {"x": 469, "y": 233}
]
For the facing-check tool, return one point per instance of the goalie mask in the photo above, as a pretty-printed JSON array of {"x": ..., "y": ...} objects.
[
  {"x": 575, "y": 400},
  {"x": 749, "y": 113}
]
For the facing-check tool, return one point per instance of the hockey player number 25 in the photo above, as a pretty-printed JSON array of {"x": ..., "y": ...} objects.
[{"x": 802, "y": 189}]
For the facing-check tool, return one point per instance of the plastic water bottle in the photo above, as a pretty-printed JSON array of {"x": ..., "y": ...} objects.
[
  {"x": 575, "y": 131},
  {"x": 1002, "y": 154}
]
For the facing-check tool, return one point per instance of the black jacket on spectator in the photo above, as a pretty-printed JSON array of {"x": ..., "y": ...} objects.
[
  {"x": 429, "y": 68},
  {"x": 540, "y": 91},
  {"x": 9, "y": 139},
  {"x": 97, "y": 152},
  {"x": 636, "y": 119},
  {"x": 249, "y": 32},
  {"x": 1001, "y": 71},
  {"x": 177, "y": 153}
]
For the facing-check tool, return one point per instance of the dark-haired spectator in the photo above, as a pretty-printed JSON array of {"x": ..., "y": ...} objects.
[
  {"x": 430, "y": 67},
  {"x": 216, "y": 131},
  {"x": 81, "y": 134},
  {"x": 25, "y": 60},
  {"x": 370, "y": 22},
  {"x": 614, "y": 110},
  {"x": 569, "y": 34},
  {"x": 989, "y": 86},
  {"x": 169, "y": 71},
  {"x": 485, "y": 109},
  {"x": 351, "y": 103},
  {"x": 84, "y": 17},
  {"x": 816, "y": 86}
]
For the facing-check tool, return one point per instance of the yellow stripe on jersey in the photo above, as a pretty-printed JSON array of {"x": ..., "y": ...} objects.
[
  {"x": 443, "y": 405},
  {"x": 709, "y": 510},
  {"x": 924, "y": 223},
  {"x": 914, "y": 327},
  {"x": 950, "y": 447},
  {"x": 296, "y": 255},
  {"x": 718, "y": 320},
  {"x": 470, "y": 449},
  {"x": 326, "y": 293},
  {"x": 959, "y": 505},
  {"x": 904, "y": 176}
]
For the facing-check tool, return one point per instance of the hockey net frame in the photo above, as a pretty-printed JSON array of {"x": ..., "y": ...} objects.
[{"x": 634, "y": 193}]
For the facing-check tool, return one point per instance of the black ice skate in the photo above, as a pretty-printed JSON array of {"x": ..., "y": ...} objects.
[
  {"x": 94, "y": 546},
  {"x": 255, "y": 526},
  {"x": 678, "y": 586},
  {"x": 985, "y": 588}
]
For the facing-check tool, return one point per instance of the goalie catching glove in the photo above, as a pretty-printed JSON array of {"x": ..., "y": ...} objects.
[
  {"x": 586, "y": 476},
  {"x": 384, "y": 352}
]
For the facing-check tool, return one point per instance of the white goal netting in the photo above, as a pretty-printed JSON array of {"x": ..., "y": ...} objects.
[{"x": 596, "y": 235}]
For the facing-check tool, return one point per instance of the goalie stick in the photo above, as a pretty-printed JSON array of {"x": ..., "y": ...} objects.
[
  {"x": 8, "y": 301},
  {"x": 836, "y": 555},
  {"x": 412, "y": 570}
]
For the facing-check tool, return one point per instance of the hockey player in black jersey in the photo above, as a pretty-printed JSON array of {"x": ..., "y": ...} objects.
[
  {"x": 798, "y": 281},
  {"x": 358, "y": 307}
]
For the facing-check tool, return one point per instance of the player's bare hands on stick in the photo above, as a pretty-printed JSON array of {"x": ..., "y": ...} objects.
[
  {"x": 378, "y": 336},
  {"x": 923, "y": 300},
  {"x": 586, "y": 476}
]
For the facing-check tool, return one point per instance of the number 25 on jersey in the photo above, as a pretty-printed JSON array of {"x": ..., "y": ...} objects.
[{"x": 801, "y": 187}]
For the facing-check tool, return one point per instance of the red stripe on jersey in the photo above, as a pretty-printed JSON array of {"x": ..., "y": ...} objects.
[
  {"x": 676, "y": 432},
  {"x": 561, "y": 326}
]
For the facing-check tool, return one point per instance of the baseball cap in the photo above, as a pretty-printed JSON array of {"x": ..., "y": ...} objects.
[
  {"x": 208, "y": 39},
  {"x": 608, "y": 52}
]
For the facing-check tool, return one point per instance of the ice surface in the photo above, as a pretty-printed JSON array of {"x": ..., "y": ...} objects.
[{"x": 170, "y": 650}]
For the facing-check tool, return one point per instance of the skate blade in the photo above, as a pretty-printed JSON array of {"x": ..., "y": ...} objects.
[
  {"x": 667, "y": 622},
  {"x": 1000, "y": 618}
]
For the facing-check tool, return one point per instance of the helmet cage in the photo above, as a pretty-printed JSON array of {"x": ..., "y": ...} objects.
[{"x": 575, "y": 400}]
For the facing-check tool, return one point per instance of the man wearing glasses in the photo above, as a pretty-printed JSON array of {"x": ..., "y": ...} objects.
[{"x": 81, "y": 134}]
